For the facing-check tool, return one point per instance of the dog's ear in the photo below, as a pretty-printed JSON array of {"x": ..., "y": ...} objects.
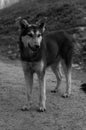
[
  {"x": 42, "y": 23},
  {"x": 22, "y": 23},
  {"x": 42, "y": 26}
]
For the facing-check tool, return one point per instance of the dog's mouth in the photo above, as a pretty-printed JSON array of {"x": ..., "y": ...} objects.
[{"x": 35, "y": 48}]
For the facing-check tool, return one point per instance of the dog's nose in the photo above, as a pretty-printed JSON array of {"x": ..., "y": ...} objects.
[{"x": 37, "y": 46}]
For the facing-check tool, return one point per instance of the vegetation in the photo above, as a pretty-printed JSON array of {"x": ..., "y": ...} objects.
[{"x": 60, "y": 14}]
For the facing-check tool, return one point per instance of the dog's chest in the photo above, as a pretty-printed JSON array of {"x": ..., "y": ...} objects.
[{"x": 36, "y": 66}]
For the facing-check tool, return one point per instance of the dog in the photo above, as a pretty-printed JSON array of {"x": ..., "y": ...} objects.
[{"x": 39, "y": 51}]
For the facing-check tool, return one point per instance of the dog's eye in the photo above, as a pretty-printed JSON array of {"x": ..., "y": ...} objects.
[
  {"x": 30, "y": 35},
  {"x": 39, "y": 35}
]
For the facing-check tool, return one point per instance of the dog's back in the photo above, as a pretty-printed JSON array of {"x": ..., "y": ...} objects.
[{"x": 58, "y": 44}]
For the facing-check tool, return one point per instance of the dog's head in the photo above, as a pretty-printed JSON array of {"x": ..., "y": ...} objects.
[{"x": 31, "y": 34}]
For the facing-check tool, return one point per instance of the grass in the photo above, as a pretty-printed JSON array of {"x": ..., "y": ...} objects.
[{"x": 61, "y": 14}]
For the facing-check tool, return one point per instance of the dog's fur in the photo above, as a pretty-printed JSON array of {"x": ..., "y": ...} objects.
[{"x": 39, "y": 51}]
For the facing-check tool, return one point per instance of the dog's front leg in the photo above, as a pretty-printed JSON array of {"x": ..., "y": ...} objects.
[
  {"x": 42, "y": 96},
  {"x": 29, "y": 85}
]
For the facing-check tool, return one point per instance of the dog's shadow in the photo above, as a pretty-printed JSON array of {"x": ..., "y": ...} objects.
[{"x": 83, "y": 87}]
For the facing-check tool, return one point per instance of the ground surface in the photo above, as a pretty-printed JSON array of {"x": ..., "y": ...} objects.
[{"x": 61, "y": 114}]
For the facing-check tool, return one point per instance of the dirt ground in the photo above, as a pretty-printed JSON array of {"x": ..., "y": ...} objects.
[{"x": 61, "y": 114}]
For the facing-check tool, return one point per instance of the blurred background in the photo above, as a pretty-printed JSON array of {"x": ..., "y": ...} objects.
[
  {"x": 69, "y": 15},
  {"x": 6, "y": 3}
]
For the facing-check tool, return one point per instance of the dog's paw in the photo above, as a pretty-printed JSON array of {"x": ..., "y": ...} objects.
[
  {"x": 41, "y": 109},
  {"x": 65, "y": 95},
  {"x": 54, "y": 91},
  {"x": 26, "y": 107}
]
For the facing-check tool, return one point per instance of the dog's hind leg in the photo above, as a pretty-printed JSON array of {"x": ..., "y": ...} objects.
[
  {"x": 29, "y": 85},
  {"x": 67, "y": 72},
  {"x": 55, "y": 69}
]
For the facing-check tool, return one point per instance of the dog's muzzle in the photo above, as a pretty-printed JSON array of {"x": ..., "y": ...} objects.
[{"x": 34, "y": 48}]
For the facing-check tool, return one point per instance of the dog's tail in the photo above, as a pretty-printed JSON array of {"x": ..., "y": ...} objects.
[{"x": 83, "y": 87}]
